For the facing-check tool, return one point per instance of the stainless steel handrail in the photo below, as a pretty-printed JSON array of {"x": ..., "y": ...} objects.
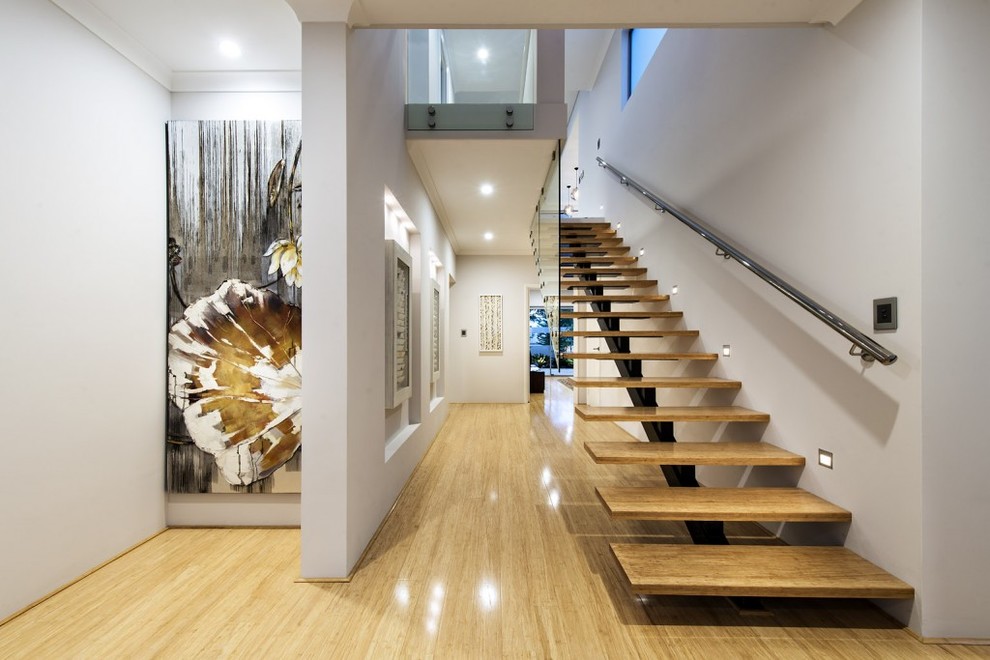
[{"x": 869, "y": 349}]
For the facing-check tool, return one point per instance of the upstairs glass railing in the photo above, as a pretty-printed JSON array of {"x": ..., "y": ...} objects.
[
  {"x": 471, "y": 79},
  {"x": 545, "y": 240}
]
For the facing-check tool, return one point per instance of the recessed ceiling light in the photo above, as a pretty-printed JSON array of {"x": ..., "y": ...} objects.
[
  {"x": 229, "y": 48},
  {"x": 487, "y": 189},
  {"x": 489, "y": 236},
  {"x": 483, "y": 54}
]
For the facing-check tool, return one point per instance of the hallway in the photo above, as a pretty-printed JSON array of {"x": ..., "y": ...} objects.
[{"x": 498, "y": 547}]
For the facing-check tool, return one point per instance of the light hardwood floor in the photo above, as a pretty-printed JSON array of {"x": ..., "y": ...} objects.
[{"x": 498, "y": 547}]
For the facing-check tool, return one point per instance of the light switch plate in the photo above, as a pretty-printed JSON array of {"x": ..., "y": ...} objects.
[{"x": 885, "y": 314}]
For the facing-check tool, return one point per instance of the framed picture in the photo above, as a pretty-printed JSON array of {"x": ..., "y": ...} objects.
[
  {"x": 398, "y": 324},
  {"x": 490, "y": 322},
  {"x": 435, "y": 335}
]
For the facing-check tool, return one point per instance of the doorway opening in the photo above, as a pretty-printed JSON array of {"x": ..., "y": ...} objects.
[{"x": 542, "y": 356}]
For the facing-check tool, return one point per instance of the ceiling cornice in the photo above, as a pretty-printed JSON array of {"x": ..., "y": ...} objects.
[
  {"x": 323, "y": 11},
  {"x": 105, "y": 28},
  {"x": 117, "y": 38},
  {"x": 563, "y": 14},
  {"x": 421, "y": 163}
]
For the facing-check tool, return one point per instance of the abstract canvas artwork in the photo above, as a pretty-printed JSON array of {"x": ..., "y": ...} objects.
[
  {"x": 435, "y": 334},
  {"x": 490, "y": 331},
  {"x": 398, "y": 324},
  {"x": 234, "y": 371}
]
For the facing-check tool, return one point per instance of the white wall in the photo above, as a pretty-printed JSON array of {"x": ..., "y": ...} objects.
[
  {"x": 803, "y": 146},
  {"x": 83, "y": 396},
  {"x": 216, "y": 509},
  {"x": 956, "y": 197},
  {"x": 201, "y": 106},
  {"x": 353, "y": 117},
  {"x": 476, "y": 377}
]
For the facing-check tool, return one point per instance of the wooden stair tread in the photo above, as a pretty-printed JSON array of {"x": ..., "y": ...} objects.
[
  {"x": 619, "y": 298},
  {"x": 621, "y": 315},
  {"x": 608, "y": 284},
  {"x": 629, "y": 333},
  {"x": 566, "y": 251},
  {"x": 690, "y": 453},
  {"x": 605, "y": 270},
  {"x": 585, "y": 225},
  {"x": 663, "y": 382},
  {"x": 641, "y": 356},
  {"x": 590, "y": 240},
  {"x": 736, "y": 504},
  {"x": 579, "y": 231},
  {"x": 751, "y": 570},
  {"x": 669, "y": 414},
  {"x": 589, "y": 234},
  {"x": 621, "y": 259}
]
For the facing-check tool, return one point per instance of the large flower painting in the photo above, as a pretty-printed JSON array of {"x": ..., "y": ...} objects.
[
  {"x": 235, "y": 308},
  {"x": 236, "y": 357}
]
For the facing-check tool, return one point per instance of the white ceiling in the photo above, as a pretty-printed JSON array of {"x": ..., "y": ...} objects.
[
  {"x": 453, "y": 171},
  {"x": 176, "y": 42}
]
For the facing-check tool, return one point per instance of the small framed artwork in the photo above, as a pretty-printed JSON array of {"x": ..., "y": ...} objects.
[
  {"x": 490, "y": 321},
  {"x": 398, "y": 324},
  {"x": 435, "y": 334}
]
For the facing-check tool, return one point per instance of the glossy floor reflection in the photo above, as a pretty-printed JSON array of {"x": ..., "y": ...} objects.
[{"x": 498, "y": 547}]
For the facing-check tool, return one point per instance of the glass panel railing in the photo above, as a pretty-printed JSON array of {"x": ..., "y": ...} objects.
[
  {"x": 471, "y": 80},
  {"x": 545, "y": 238}
]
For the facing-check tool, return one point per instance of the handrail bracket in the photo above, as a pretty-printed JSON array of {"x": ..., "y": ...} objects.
[{"x": 861, "y": 354}]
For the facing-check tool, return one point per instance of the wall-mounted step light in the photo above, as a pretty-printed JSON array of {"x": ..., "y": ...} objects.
[
  {"x": 673, "y": 290},
  {"x": 642, "y": 251},
  {"x": 726, "y": 350},
  {"x": 825, "y": 458}
]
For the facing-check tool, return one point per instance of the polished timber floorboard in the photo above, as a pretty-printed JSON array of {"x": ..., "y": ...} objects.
[{"x": 498, "y": 547}]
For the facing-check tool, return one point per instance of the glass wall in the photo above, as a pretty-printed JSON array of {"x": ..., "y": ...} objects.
[
  {"x": 545, "y": 239},
  {"x": 471, "y": 66},
  {"x": 543, "y": 356}
]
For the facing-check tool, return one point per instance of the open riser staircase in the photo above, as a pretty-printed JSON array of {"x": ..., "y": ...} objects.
[{"x": 602, "y": 280}]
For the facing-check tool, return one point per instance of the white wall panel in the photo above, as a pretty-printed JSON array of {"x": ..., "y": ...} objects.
[
  {"x": 501, "y": 377},
  {"x": 83, "y": 392}
]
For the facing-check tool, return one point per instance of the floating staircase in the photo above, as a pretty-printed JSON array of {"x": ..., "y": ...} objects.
[{"x": 592, "y": 261}]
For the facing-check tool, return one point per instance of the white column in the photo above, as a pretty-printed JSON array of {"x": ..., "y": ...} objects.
[
  {"x": 956, "y": 283},
  {"x": 324, "y": 482}
]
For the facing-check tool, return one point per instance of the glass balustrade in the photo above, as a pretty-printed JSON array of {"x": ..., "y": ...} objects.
[
  {"x": 545, "y": 240},
  {"x": 470, "y": 79}
]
